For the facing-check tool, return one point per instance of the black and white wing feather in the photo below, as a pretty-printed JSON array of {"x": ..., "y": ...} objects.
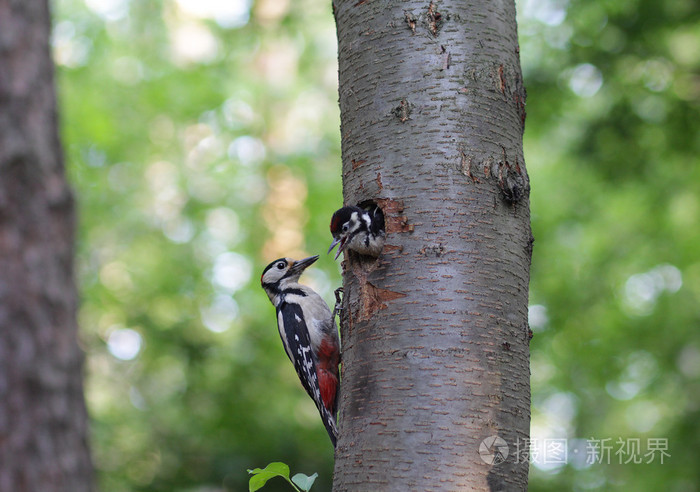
[{"x": 298, "y": 347}]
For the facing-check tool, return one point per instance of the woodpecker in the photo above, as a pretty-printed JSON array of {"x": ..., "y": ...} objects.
[
  {"x": 308, "y": 332},
  {"x": 359, "y": 230}
]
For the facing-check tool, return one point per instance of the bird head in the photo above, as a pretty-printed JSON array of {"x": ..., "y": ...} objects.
[
  {"x": 345, "y": 223},
  {"x": 283, "y": 271}
]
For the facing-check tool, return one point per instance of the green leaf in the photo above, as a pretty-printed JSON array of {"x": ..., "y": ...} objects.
[
  {"x": 279, "y": 468},
  {"x": 261, "y": 476},
  {"x": 304, "y": 481},
  {"x": 258, "y": 481}
]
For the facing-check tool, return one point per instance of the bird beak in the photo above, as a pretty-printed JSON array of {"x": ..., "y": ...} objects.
[
  {"x": 301, "y": 265},
  {"x": 336, "y": 241},
  {"x": 333, "y": 244}
]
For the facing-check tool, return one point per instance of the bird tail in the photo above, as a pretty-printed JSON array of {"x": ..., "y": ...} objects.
[{"x": 329, "y": 423}]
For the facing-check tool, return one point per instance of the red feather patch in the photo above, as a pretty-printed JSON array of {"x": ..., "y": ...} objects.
[
  {"x": 327, "y": 372},
  {"x": 335, "y": 223},
  {"x": 328, "y": 383}
]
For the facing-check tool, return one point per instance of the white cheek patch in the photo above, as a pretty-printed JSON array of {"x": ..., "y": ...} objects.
[
  {"x": 355, "y": 221},
  {"x": 368, "y": 221}
]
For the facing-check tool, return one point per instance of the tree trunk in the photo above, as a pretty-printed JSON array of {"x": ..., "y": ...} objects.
[
  {"x": 435, "y": 332},
  {"x": 43, "y": 422}
]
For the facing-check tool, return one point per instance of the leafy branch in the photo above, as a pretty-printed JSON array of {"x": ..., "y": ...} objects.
[{"x": 299, "y": 482}]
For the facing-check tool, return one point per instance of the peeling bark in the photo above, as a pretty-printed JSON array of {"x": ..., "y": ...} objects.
[
  {"x": 43, "y": 422},
  {"x": 373, "y": 299},
  {"x": 435, "y": 333}
]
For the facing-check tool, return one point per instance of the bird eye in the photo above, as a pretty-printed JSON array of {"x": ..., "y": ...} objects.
[
  {"x": 280, "y": 265},
  {"x": 345, "y": 228}
]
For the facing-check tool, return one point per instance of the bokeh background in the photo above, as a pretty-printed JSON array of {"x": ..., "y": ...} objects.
[{"x": 202, "y": 138}]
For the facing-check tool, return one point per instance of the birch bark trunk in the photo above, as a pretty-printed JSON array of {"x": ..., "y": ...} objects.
[
  {"x": 435, "y": 331},
  {"x": 43, "y": 422}
]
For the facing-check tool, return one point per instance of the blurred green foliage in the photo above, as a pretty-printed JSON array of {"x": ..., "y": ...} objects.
[{"x": 203, "y": 140}]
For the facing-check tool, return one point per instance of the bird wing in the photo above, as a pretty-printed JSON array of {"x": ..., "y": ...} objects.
[{"x": 299, "y": 351}]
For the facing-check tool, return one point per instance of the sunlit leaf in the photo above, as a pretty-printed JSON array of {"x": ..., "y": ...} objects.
[{"x": 261, "y": 476}]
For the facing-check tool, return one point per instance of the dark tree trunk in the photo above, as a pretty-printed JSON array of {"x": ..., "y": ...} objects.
[
  {"x": 435, "y": 332},
  {"x": 43, "y": 422}
]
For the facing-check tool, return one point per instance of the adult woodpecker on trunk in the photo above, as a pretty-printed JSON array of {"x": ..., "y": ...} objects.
[{"x": 308, "y": 332}]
